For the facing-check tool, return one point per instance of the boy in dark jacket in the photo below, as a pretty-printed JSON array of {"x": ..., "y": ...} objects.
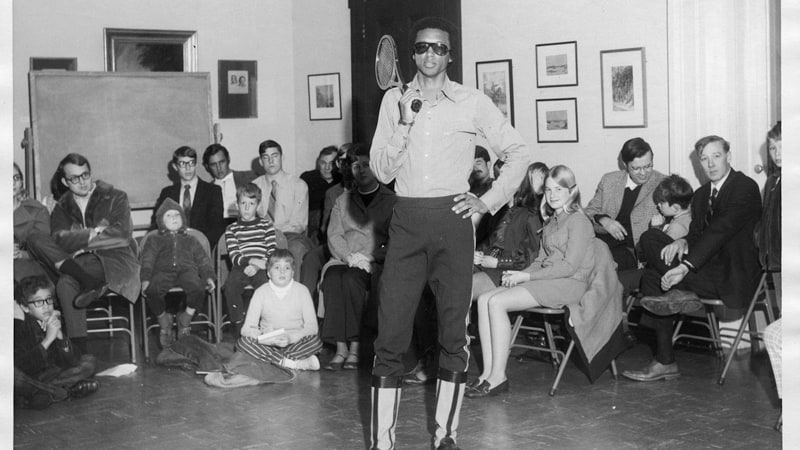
[
  {"x": 172, "y": 258},
  {"x": 47, "y": 367}
]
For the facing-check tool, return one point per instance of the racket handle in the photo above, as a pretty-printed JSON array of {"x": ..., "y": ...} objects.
[{"x": 416, "y": 105}]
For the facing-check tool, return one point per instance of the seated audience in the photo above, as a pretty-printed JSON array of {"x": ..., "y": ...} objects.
[
  {"x": 91, "y": 251},
  {"x": 717, "y": 259},
  {"x": 318, "y": 181},
  {"x": 673, "y": 197},
  {"x": 357, "y": 237},
  {"x": 284, "y": 201},
  {"x": 201, "y": 201},
  {"x": 480, "y": 181},
  {"x": 622, "y": 206},
  {"x": 173, "y": 258},
  {"x": 515, "y": 242},
  {"x": 557, "y": 277},
  {"x": 283, "y": 307},
  {"x": 30, "y": 217},
  {"x": 216, "y": 161},
  {"x": 250, "y": 241},
  {"x": 336, "y": 190},
  {"x": 47, "y": 367}
]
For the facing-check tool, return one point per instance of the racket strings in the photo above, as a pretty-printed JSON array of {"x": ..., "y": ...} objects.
[{"x": 384, "y": 64}]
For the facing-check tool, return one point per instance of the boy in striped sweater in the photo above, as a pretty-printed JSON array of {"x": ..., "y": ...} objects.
[{"x": 250, "y": 241}]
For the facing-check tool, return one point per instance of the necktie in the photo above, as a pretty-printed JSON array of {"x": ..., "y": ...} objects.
[
  {"x": 187, "y": 203},
  {"x": 710, "y": 211},
  {"x": 272, "y": 200}
]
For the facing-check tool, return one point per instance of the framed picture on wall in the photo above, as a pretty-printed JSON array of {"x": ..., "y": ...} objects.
[
  {"x": 624, "y": 89},
  {"x": 237, "y": 87},
  {"x": 494, "y": 78},
  {"x": 324, "y": 97},
  {"x": 133, "y": 50},
  {"x": 68, "y": 64},
  {"x": 557, "y": 64},
  {"x": 557, "y": 120}
]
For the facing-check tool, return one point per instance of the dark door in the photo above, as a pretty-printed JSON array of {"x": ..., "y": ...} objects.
[{"x": 371, "y": 19}]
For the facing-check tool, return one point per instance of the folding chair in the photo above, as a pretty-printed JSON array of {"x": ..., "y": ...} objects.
[
  {"x": 220, "y": 264},
  {"x": 114, "y": 321},
  {"x": 767, "y": 305},
  {"x": 201, "y": 318},
  {"x": 707, "y": 321},
  {"x": 559, "y": 358}
]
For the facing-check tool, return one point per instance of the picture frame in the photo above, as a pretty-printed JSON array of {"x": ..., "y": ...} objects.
[
  {"x": 623, "y": 88},
  {"x": 557, "y": 64},
  {"x": 66, "y": 64},
  {"x": 237, "y": 82},
  {"x": 134, "y": 50},
  {"x": 557, "y": 120},
  {"x": 324, "y": 97},
  {"x": 496, "y": 80}
]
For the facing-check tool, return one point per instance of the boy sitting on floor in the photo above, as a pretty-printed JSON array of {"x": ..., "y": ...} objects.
[
  {"x": 282, "y": 304},
  {"x": 47, "y": 367},
  {"x": 172, "y": 258},
  {"x": 250, "y": 241}
]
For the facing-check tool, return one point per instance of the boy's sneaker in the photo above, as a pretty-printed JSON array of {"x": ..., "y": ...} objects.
[{"x": 310, "y": 363}]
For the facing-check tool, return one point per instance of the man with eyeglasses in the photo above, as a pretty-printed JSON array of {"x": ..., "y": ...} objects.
[
  {"x": 623, "y": 205},
  {"x": 430, "y": 153},
  {"x": 216, "y": 161},
  {"x": 201, "y": 201},
  {"x": 91, "y": 250},
  {"x": 284, "y": 201}
]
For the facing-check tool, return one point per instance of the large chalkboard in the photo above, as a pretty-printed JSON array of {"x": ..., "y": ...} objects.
[{"x": 126, "y": 124}]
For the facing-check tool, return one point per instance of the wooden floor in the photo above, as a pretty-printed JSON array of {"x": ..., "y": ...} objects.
[{"x": 172, "y": 409}]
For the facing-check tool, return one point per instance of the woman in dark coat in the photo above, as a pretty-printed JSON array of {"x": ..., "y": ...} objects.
[{"x": 30, "y": 217}]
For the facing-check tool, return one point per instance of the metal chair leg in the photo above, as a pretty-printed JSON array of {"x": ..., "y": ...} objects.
[{"x": 561, "y": 368}]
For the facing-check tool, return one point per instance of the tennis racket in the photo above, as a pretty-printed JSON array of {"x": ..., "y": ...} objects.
[{"x": 387, "y": 71}]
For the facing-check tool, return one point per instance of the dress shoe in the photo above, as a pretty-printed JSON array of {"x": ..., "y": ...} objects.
[
  {"x": 473, "y": 383},
  {"x": 447, "y": 444},
  {"x": 653, "y": 372},
  {"x": 674, "y": 301},
  {"x": 335, "y": 363},
  {"x": 486, "y": 390},
  {"x": 83, "y": 388},
  {"x": 351, "y": 363},
  {"x": 85, "y": 299}
]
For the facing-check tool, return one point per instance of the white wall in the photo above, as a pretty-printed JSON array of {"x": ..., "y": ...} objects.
[
  {"x": 510, "y": 29},
  {"x": 261, "y": 30}
]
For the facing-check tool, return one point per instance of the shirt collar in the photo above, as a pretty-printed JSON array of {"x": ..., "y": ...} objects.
[
  {"x": 192, "y": 183},
  {"x": 630, "y": 184},
  {"x": 225, "y": 179},
  {"x": 718, "y": 184},
  {"x": 449, "y": 89}
]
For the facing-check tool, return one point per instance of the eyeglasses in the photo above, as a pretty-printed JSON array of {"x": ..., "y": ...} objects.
[
  {"x": 185, "y": 164},
  {"x": 17, "y": 177},
  {"x": 75, "y": 179},
  {"x": 40, "y": 303},
  {"x": 640, "y": 169},
  {"x": 422, "y": 47}
]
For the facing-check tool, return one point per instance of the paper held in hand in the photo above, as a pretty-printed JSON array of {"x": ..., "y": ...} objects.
[{"x": 270, "y": 335}]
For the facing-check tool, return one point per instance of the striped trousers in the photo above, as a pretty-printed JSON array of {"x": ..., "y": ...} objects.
[{"x": 305, "y": 347}]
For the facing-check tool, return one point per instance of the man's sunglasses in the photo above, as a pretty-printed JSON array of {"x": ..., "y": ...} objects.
[{"x": 422, "y": 47}]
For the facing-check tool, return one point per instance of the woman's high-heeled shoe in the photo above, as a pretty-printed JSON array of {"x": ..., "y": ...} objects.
[
  {"x": 335, "y": 363},
  {"x": 486, "y": 390}
]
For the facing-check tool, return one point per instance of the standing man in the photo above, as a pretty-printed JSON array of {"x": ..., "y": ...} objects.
[
  {"x": 216, "y": 161},
  {"x": 623, "y": 205},
  {"x": 91, "y": 251},
  {"x": 430, "y": 155},
  {"x": 717, "y": 259},
  {"x": 284, "y": 201},
  {"x": 201, "y": 201}
]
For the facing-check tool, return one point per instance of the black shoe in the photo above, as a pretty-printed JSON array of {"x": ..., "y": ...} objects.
[
  {"x": 486, "y": 390},
  {"x": 83, "y": 388},
  {"x": 85, "y": 299},
  {"x": 447, "y": 444},
  {"x": 472, "y": 384}
]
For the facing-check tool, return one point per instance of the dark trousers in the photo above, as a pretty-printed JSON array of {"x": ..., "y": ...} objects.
[
  {"x": 234, "y": 287},
  {"x": 622, "y": 251},
  {"x": 313, "y": 262},
  {"x": 345, "y": 291},
  {"x": 53, "y": 381},
  {"x": 701, "y": 283},
  {"x": 428, "y": 243},
  {"x": 48, "y": 252},
  {"x": 162, "y": 281}
]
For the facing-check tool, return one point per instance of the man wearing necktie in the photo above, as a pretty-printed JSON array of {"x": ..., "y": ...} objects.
[
  {"x": 284, "y": 201},
  {"x": 201, "y": 201},
  {"x": 717, "y": 259}
]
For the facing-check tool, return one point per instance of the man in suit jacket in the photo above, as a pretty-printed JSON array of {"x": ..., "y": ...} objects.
[
  {"x": 623, "y": 205},
  {"x": 201, "y": 201},
  {"x": 717, "y": 259},
  {"x": 216, "y": 161}
]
